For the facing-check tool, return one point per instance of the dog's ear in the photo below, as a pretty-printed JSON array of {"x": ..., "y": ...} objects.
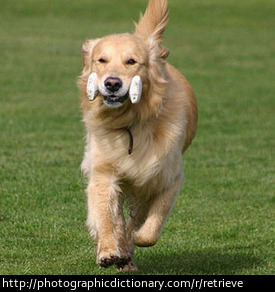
[
  {"x": 154, "y": 20},
  {"x": 152, "y": 24},
  {"x": 87, "y": 50},
  {"x": 164, "y": 52}
]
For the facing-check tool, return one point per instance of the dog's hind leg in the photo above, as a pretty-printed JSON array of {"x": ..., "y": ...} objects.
[
  {"x": 137, "y": 217},
  {"x": 159, "y": 209}
]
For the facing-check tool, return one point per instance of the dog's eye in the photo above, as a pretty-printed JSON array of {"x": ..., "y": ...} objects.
[
  {"x": 131, "y": 62},
  {"x": 101, "y": 60}
]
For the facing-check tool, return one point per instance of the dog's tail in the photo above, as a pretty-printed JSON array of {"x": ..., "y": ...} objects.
[{"x": 154, "y": 20}]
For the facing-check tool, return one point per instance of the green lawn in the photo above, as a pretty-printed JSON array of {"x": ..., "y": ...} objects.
[{"x": 223, "y": 222}]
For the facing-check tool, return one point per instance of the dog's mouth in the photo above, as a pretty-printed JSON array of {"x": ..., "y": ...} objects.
[
  {"x": 114, "y": 101},
  {"x": 116, "y": 98}
]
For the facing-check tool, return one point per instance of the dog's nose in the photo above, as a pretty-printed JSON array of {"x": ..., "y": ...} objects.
[{"x": 113, "y": 83}]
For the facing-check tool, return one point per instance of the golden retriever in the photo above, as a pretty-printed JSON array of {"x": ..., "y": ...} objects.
[{"x": 140, "y": 115}]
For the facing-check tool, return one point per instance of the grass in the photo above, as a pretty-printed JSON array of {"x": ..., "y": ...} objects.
[{"x": 223, "y": 222}]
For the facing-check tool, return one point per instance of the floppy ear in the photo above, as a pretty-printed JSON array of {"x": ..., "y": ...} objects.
[
  {"x": 87, "y": 50},
  {"x": 152, "y": 24}
]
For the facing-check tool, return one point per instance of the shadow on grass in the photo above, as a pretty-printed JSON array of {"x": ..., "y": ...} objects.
[{"x": 207, "y": 262}]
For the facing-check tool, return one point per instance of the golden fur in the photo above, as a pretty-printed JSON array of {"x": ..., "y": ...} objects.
[{"x": 162, "y": 124}]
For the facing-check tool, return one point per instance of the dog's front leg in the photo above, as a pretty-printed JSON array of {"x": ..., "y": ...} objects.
[
  {"x": 105, "y": 220},
  {"x": 159, "y": 209}
]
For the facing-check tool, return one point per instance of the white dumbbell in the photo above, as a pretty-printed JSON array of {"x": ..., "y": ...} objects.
[
  {"x": 135, "y": 89},
  {"x": 134, "y": 92},
  {"x": 92, "y": 87}
]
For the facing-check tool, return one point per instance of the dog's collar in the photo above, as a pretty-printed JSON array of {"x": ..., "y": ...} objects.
[{"x": 131, "y": 140}]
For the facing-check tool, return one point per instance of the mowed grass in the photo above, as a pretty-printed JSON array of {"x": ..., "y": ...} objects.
[{"x": 223, "y": 222}]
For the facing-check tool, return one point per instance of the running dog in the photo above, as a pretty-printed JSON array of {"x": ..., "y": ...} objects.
[{"x": 140, "y": 115}]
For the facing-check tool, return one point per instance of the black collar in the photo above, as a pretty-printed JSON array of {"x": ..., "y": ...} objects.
[{"x": 131, "y": 140}]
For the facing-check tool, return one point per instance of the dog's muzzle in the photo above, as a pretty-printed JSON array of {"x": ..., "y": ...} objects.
[{"x": 135, "y": 90}]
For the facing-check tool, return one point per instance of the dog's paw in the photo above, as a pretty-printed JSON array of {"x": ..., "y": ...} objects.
[
  {"x": 107, "y": 260},
  {"x": 122, "y": 262},
  {"x": 143, "y": 238},
  {"x": 129, "y": 267}
]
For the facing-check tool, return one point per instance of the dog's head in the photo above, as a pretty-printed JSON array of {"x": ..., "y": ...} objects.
[
  {"x": 122, "y": 68},
  {"x": 114, "y": 61}
]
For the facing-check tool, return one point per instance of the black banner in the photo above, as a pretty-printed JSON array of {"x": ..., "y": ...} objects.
[{"x": 158, "y": 283}]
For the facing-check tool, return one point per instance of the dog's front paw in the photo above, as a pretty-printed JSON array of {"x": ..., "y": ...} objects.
[
  {"x": 145, "y": 238},
  {"x": 106, "y": 260}
]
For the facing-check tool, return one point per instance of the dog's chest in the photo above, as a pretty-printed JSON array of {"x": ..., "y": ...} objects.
[
  {"x": 112, "y": 149},
  {"x": 151, "y": 157},
  {"x": 148, "y": 161}
]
